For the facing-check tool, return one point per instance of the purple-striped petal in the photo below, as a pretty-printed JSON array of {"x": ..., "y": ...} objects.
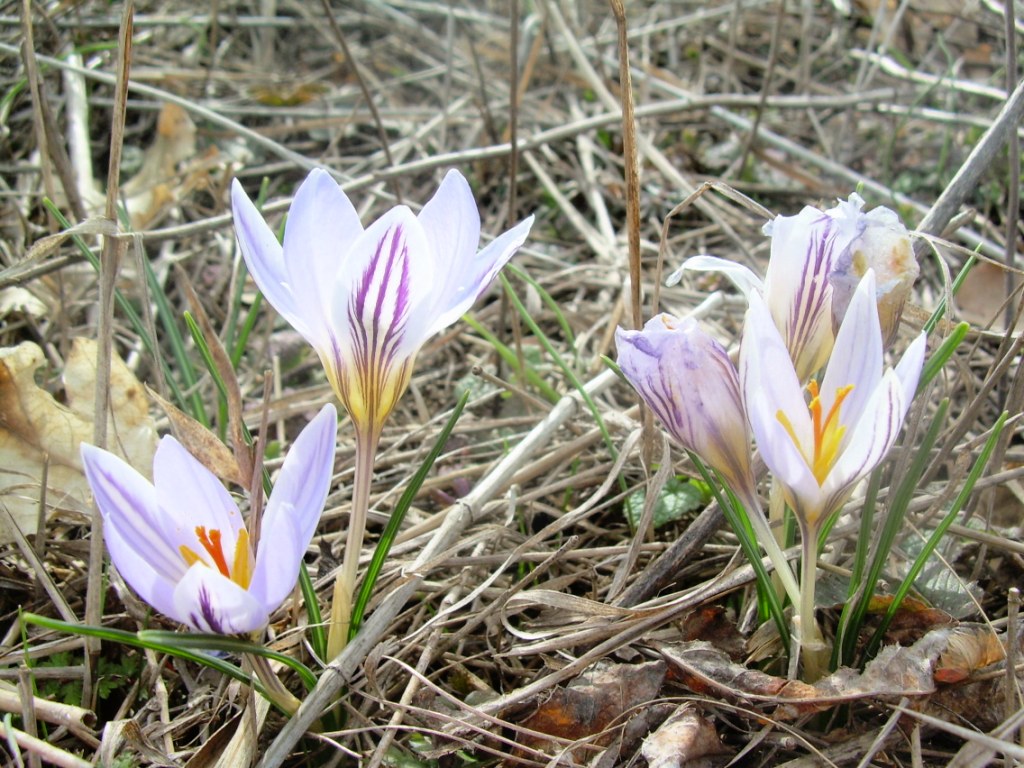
[
  {"x": 687, "y": 379},
  {"x": 209, "y": 602},
  {"x": 796, "y": 284},
  {"x": 294, "y": 509},
  {"x": 130, "y": 503},
  {"x": 374, "y": 356},
  {"x": 870, "y": 437}
]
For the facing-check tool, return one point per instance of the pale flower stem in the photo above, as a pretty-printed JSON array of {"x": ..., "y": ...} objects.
[
  {"x": 345, "y": 583},
  {"x": 275, "y": 689},
  {"x": 776, "y": 521},
  {"x": 812, "y": 644},
  {"x": 771, "y": 547}
]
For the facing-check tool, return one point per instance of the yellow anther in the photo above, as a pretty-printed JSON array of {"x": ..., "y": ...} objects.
[{"x": 827, "y": 431}]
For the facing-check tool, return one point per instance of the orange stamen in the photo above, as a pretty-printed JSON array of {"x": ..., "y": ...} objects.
[{"x": 212, "y": 544}]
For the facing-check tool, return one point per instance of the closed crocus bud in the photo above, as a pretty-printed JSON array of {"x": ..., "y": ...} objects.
[
  {"x": 796, "y": 287},
  {"x": 688, "y": 380},
  {"x": 884, "y": 247}
]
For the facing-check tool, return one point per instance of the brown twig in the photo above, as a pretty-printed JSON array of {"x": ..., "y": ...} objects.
[{"x": 113, "y": 249}]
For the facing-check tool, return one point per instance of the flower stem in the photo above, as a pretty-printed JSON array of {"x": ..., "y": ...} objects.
[
  {"x": 771, "y": 547},
  {"x": 812, "y": 644},
  {"x": 345, "y": 583},
  {"x": 276, "y": 691}
]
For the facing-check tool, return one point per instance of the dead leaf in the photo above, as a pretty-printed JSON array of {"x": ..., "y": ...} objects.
[
  {"x": 981, "y": 297},
  {"x": 684, "y": 740},
  {"x": 971, "y": 647},
  {"x": 35, "y": 428},
  {"x": 15, "y": 300},
  {"x": 200, "y": 442},
  {"x": 288, "y": 95},
  {"x": 593, "y": 702},
  {"x": 912, "y": 621},
  {"x": 895, "y": 672}
]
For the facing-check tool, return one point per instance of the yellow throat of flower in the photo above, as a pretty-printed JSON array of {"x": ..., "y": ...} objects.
[
  {"x": 828, "y": 431},
  {"x": 240, "y": 570}
]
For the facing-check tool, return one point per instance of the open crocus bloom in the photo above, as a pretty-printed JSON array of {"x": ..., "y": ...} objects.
[
  {"x": 367, "y": 299},
  {"x": 818, "y": 449},
  {"x": 796, "y": 286},
  {"x": 688, "y": 380},
  {"x": 180, "y": 541}
]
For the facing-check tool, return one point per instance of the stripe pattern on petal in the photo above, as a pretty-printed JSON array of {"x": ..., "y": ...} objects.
[
  {"x": 377, "y": 369},
  {"x": 811, "y": 302}
]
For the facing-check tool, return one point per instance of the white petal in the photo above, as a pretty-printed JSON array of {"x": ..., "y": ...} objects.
[
  {"x": 765, "y": 366},
  {"x": 857, "y": 355},
  {"x": 783, "y": 458},
  {"x": 322, "y": 226},
  {"x": 136, "y": 566},
  {"x": 744, "y": 279},
  {"x": 466, "y": 283},
  {"x": 265, "y": 259},
  {"x": 294, "y": 509},
  {"x": 908, "y": 370},
  {"x": 451, "y": 223},
  {"x": 208, "y": 601},
  {"x": 193, "y": 497},
  {"x": 770, "y": 386}
]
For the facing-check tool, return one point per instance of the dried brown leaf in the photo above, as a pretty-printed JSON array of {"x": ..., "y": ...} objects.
[
  {"x": 684, "y": 740},
  {"x": 593, "y": 702},
  {"x": 200, "y": 442},
  {"x": 971, "y": 647},
  {"x": 36, "y": 429}
]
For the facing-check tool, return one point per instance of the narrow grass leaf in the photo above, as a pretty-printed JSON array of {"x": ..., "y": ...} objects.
[
  {"x": 940, "y": 530},
  {"x": 737, "y": 517},
  {"x": 510, "y": 359},
  {"x": 227, "y": 644},
  {"x": 132, "y": 639}
]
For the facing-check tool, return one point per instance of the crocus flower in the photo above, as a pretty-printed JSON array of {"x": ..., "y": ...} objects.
[
  {"x": 180, "y": 541},
  {"x": 883, "y": 246},
  {"x": 819, "y": 448},
  {"x": 367, "y": 299},
  {"x": 688, "y": 380},
  {"x": 796, "y": 286}
]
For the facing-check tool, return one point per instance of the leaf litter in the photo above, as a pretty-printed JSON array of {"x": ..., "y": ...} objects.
[{"x": 512, "y": 647}]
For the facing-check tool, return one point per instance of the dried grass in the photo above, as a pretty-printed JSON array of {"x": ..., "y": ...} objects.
[{"x": 490, "y": 601}]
